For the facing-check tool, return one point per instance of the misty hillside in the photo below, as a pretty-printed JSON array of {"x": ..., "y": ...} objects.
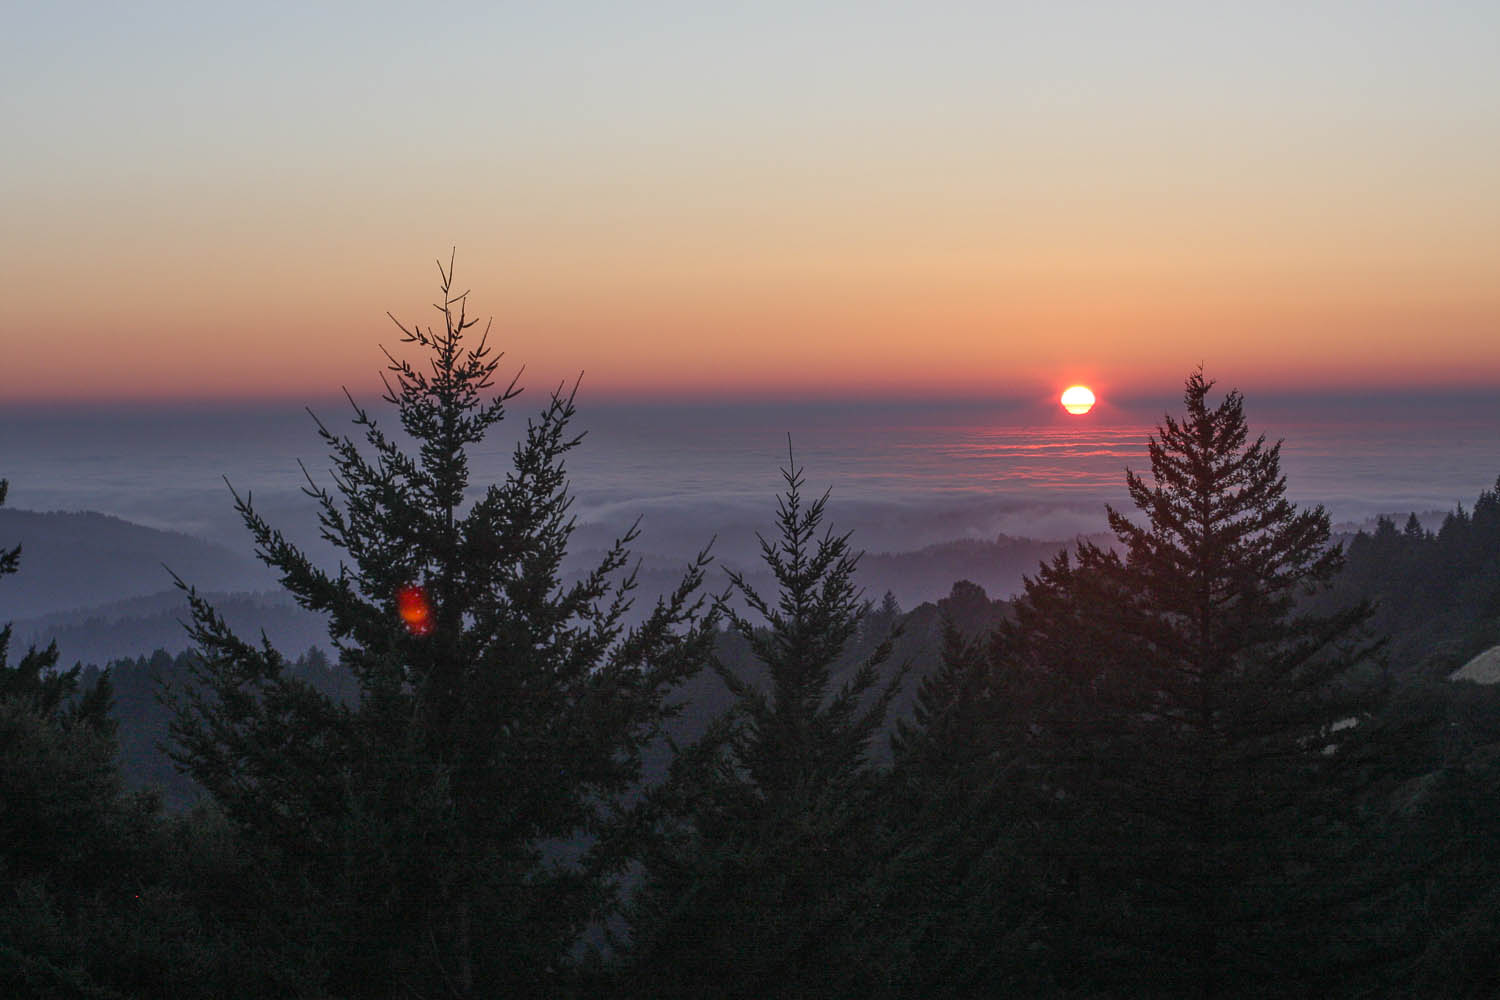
[
  {"x": 82, "y": 559},
  {"x": 96, "y": 584},
  {"x": 143, "y": 720},
  {"x": 141, "y": 625},
  {"x": 929, "y": 574},
  {"x": 922, "y": 576}
]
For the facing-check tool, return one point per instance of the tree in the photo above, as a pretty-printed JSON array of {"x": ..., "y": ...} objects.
[
  {"x": 57, "y": 756},
  {"x": 1193, "y": 719},
  {"x": 457, "y": 827},
  {"x": 764, "y": 889},
  {"x": 961, "y": 900},
  {"x": 69, "y": 840}
]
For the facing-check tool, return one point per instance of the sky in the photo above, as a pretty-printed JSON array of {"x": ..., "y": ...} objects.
[{"x": 703, "y": 201}]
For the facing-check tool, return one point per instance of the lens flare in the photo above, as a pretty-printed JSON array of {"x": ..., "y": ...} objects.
[
  {"x": 415, "y": 610},
  {"x": 1078, "y": 400}
]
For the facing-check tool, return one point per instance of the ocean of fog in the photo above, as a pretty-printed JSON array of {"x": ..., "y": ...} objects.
[{"x": 903, "y": 476}]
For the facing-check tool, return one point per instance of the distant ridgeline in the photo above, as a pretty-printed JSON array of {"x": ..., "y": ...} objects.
[
  {"x": 99, "y": 586},
  {"x": 82, "y": 559},
  {"x": 1436, "y": 595},
  {"x": 143, "y": 719},
  {"x": 1167, "y": 767},
  {"x": 142, "y": 625}
]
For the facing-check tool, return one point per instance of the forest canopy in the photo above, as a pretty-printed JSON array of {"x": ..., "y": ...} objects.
[{"x": 1215, "y": 755}]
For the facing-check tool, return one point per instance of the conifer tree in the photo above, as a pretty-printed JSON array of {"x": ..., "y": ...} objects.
[
  {"x": 66, "y": 831},
  {"x": 454, "y": 831},
  {"x": 960, "y": 903},
  {"x": 57, "y": 756},
  {"x": 947, "y": 725},
  {"x": 1193, "y": 723},
  {"x": 765, "y": 888}
]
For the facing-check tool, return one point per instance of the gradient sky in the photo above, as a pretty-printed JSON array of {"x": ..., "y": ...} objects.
[{"x": 201, "y": 200}]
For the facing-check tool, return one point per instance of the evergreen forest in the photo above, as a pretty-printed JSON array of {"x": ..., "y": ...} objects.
[{"x": 1217, "y": 755}]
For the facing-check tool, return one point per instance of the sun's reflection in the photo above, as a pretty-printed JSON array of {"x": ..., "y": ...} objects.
[{"x": 1065, "y": 457}]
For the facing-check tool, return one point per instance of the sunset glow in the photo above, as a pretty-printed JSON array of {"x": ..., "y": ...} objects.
[
  {"x": 211, "y": 206},
  {"x": 958, "y": 499}
]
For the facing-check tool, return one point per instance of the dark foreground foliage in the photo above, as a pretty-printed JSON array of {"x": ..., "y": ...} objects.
[
  {"x": 770, "y": 866},
  {"x": 1183, "y": 767},
  {"x": 459, "y": 825}
]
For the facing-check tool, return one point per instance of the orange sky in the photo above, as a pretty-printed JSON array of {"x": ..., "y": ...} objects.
[{"x": 776, "y": 207}]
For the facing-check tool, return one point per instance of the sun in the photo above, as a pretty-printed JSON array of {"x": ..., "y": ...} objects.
[{"x": 1078, "y": 400}]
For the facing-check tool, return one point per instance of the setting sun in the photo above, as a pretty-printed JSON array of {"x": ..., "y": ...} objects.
[{"x": 1078, "y": 399}]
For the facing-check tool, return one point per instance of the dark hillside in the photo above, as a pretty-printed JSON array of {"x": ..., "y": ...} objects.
[
  {"x": 80, "y": 559},
  {"x": 140, "y": 625}
]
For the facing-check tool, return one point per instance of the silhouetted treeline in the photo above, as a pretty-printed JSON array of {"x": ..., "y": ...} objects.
[
  {"x": 1187, "y": 764},
  {"x": 1436, "y": 594},
  {"x": 139, "y": 627}
]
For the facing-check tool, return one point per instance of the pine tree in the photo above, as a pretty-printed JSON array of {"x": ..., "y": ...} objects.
[
  {"x": 57, "y": 755},
  {"x": 960, "y": 901},
  {"x": 456, "y": 829},
  {"x": 767, "y": 885},
  {"x": 948, "y": 725},
  {"x": 1194, "y": 723},
  {"x": 68, "y": 837}
]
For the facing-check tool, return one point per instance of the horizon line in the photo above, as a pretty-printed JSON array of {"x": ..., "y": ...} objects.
[{"x": 1009, "y": 397}]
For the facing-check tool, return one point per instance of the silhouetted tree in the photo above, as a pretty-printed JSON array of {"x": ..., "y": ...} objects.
[
  {"x": 57, "y": 755},
  {"x": 70, "y": 842},
  {"x": 1434, "y": 750},
  {"x": 455, "y": 830},
  {"x": 962, "y": 900},
  {"x": 1194, "y": 724},
  {"x": 765, "y": 888}
]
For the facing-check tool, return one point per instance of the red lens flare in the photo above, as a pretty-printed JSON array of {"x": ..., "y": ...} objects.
[{"x": 415, "y": 609}]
